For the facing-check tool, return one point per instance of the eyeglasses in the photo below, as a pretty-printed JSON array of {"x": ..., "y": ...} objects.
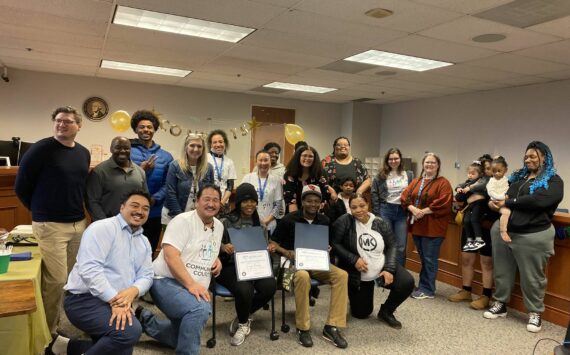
[
  {"x": 430, "y": 162},
  {"x": 393, "y": 159},
  {"x": 64, "y": 122},
  {"x": 342, "y": 146}
]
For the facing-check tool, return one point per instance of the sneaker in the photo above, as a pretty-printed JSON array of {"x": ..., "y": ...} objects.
[
  {"x": 242, "y": 332},
  {"x": 420, "y": 295},
  {"x": 499, "y": 309},
  {"x": 469, "y": 245},
  {"x": 480, "y": 303},
  {"x": 234, "y": 326},
  {"x": 304, "y": 338},
  {"x": 478, "y": 244},
  {"x": 534, "y": 322},
  {"x": 389, "y": 319},
  {"x": 333, "y": 335},
  {"x": 461, "y": 295}
]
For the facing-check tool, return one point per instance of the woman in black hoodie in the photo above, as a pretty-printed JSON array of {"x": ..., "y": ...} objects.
[
  {"x": 534, "y": 194},
  {"x": 366, "y": 249}
]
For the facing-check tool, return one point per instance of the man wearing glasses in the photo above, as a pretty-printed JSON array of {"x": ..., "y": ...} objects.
[{"x": 51, "y": 183}]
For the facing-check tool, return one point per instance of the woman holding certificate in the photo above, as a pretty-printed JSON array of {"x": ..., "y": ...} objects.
[
  {"x": 249, "y": 295},
  {"x": 366, "y": 248}
]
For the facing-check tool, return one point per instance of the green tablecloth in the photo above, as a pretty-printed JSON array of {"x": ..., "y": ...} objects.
[{"x": 28, "y": 333}]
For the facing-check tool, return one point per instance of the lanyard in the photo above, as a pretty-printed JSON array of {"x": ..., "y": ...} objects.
[
  {"x": 218, "y": 171},
  {"x": 420, "y": 191},
  {"x": 261, "y": 190}
]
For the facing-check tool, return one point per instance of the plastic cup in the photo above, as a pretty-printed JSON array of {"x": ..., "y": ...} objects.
[{"x": 4, "y": 261}]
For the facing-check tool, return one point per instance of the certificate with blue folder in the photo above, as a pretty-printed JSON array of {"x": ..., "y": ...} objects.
[
  {"x": 251, "y": 255},
  {"x": 311, "y": 247}
]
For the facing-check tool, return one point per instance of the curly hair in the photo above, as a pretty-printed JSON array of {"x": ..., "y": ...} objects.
[
  {"x": 144, "y": 115},
  {"x": 545, "y": 172},
  {"x": 220, "y": 132},
  {"x": 295, "y": 170}
]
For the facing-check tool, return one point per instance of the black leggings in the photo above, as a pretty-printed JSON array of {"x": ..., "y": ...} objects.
[
  {"x": 246, "y": 300},
  {"x": 362, "y": 299},
  {"x": 472, "y": 219}
]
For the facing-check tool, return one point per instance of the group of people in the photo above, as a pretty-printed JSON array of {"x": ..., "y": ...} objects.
[{"x": 142, "y": 187}]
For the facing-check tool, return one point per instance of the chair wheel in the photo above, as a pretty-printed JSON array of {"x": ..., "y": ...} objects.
[
  {"x": 211, "y": 343},
  {"x": 312, "y": 302},
  {"x": 285, "y": 328},
  {"x": 274, "y": 335},
  {"x": 266, "y": 307}
]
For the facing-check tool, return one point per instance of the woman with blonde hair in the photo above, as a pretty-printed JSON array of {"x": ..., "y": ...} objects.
[{"x": 186, "y": 175}]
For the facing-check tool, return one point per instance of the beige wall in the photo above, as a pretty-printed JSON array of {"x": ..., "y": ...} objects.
[
  {"x": 462, "y": 127},
  {"x": 27, "y": 101}
]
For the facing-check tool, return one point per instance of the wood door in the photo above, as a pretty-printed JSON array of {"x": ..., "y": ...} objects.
[{"x": 273, "y": 130}]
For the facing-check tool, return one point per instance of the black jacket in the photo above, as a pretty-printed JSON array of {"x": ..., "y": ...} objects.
[
  {"x": 344, "y": 245},
  {"x": 533, "y": 213},
  {"x": 284, "y": 234}
]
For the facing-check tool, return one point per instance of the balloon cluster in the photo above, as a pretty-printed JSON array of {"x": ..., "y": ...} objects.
[{"x": 121, "y": 121}]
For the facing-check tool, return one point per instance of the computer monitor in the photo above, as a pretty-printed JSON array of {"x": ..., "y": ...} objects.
[{"x": 15, "y": 150}]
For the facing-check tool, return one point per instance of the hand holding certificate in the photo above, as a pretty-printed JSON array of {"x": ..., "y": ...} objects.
[
  {"x": 311, "y": 247},
  {"x": 251, "y": 255}
]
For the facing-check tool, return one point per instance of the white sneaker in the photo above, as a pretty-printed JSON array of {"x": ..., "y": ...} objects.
[
  {"x": 241, "y": 333},
  {"x": 534, "y": 322}
]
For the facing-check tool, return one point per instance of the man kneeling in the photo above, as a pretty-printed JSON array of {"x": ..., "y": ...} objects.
[{"x": 113, "y": 268}]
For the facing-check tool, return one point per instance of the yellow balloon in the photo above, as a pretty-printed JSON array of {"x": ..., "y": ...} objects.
[
  {"x": 294, "y": 133},
  {"x": 120, "y": 121}
]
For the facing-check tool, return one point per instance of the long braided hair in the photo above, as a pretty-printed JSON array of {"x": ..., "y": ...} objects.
[{"x": 545, "y": 173}]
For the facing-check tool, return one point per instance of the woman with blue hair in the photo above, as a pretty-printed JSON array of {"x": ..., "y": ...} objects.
[{"x": 534, "y": 193}]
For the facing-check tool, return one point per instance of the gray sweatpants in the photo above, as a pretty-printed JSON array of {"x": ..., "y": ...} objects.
[{"x": 529, "y": 252}]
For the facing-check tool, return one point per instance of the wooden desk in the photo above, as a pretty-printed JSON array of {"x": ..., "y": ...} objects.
[{"x": 17, "y": 298}]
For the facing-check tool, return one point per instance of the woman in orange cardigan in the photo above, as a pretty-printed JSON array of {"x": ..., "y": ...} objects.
[{"x": 428, "y": 198}]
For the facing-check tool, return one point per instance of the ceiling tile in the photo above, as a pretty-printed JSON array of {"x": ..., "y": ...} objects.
[
  {"x": 558, "y": 52},
  {"x": 408, "y": 16},
  {"x": 431, "y": 48},
  {"x": 465, "y": 6},
  {"x": 559, "y": 27},
  {"x": 270, "y": 57},
  {"x": 518, "y": 64},
  {"x": 475, "y": 73},
  {"x": 464, "y": 29}
]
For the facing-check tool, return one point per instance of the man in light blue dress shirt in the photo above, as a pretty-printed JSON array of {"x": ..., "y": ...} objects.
[{"x": 113, "y": 268}]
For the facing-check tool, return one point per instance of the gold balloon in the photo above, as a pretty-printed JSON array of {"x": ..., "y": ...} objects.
[
  {"x": 294, "y": 133},
  {"x": 120, "y": 121}
]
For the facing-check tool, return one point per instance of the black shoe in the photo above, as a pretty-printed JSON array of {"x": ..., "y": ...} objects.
[
  {"x": 499, "y": 309},
  {"x": 315, "y": 291},
  {"x": 333, "y": 335},
  {"x": 304, "y": 338},
  {"x": 389, "y": 319}
]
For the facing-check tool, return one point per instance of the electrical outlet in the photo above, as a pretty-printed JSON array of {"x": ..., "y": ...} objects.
[{"x": 457, "y": 165}]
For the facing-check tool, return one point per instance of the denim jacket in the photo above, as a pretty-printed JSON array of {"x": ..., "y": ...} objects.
[{"x": 178, "y": 185}]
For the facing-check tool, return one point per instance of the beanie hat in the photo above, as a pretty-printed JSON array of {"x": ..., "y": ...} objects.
[{"x": 244, "y": 192}]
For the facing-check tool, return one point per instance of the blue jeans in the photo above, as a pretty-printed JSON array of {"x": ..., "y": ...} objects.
[
  {"x": 91, "y": 315},
  {"x": 186, "y": 316},
  {"x": 428, "y": 248},
  {"x": 396, "y": 217}
]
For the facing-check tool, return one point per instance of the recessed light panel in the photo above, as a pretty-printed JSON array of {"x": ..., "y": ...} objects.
[
  {"x": 393, "y": 60},
  {"x": 149, "y": 69},
  {"x": 298, "y": 87},
  {"x": 188, "y": 26}
]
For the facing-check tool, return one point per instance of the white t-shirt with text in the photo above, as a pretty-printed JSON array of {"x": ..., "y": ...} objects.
[{"x": 370, "y": 246}]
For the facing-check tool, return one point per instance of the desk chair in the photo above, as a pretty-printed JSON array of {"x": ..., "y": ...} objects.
[{"x": 221, "y": 291}]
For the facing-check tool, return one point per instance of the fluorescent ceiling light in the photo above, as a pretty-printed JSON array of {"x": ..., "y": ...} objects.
[
  {"x": 393, "y": 60},
  {"x": 149, "y": 69},
  {"x": 298, "y": 87},
  {"x": 157, "y": 21}
]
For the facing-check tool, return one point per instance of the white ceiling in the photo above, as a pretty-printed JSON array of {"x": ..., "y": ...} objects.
[{"x": 292, "y": 41}]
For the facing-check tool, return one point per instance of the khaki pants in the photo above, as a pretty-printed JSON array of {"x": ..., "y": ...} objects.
[
  {"x": 338, "y": 279},
  {"x": 59, "y": 243}
]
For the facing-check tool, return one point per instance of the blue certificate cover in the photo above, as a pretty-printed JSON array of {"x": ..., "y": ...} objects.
[
  {"x": 247, "y": 239},
  {"x": 311, "y": 236}
]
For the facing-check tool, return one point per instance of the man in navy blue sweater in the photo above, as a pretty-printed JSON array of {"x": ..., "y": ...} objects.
[{"x": 51, "y": 183}]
